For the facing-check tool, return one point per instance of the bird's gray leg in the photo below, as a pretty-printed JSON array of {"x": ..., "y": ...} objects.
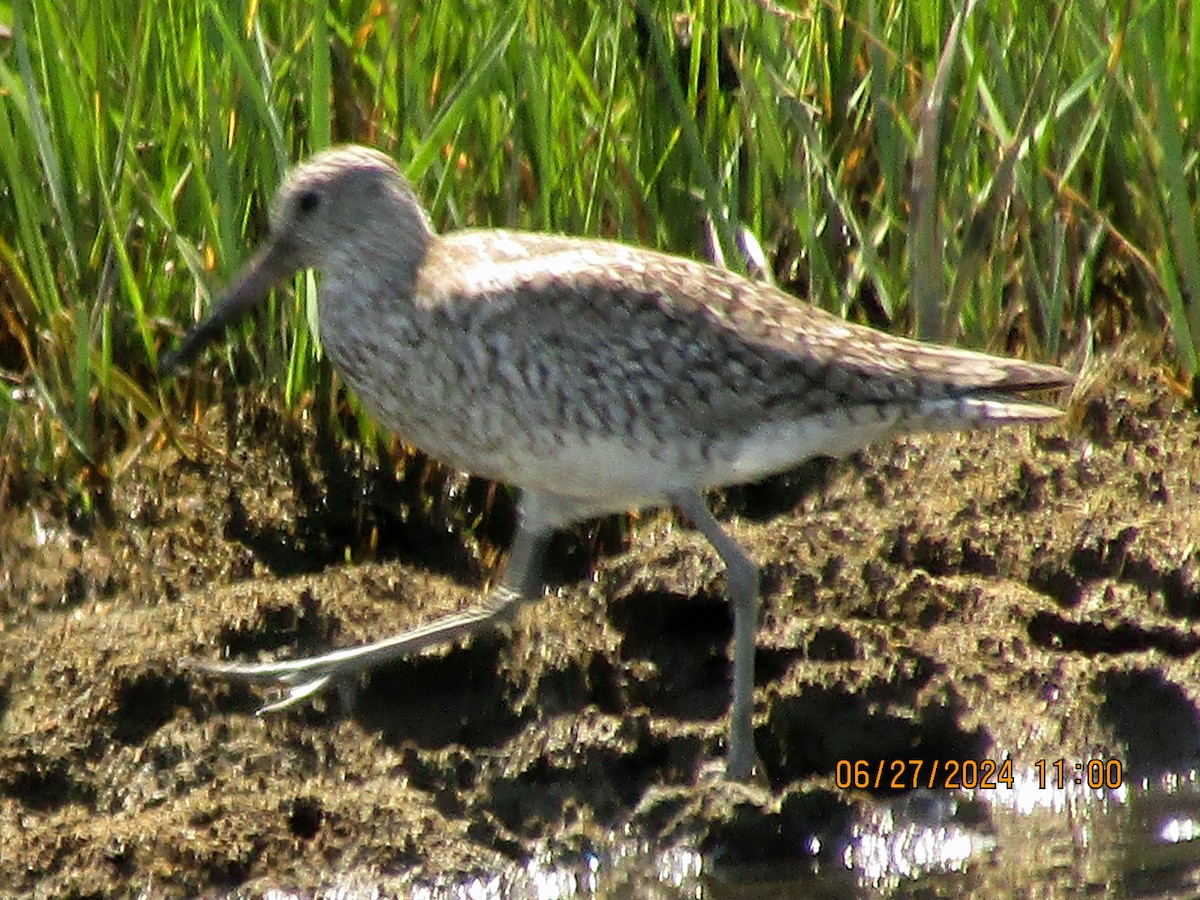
[
  {"x": 741, "y": 578},
  {"x": 299, "y": 678}
]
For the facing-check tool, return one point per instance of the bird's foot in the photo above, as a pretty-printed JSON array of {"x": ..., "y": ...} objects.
[
  {"x": 296, "y": 679},
  {"x": 299, "y": 679},
  {"x": 738, "y": 767}
]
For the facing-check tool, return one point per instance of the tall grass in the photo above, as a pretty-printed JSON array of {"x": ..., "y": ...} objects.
[{"x": 1014, "y": 175}]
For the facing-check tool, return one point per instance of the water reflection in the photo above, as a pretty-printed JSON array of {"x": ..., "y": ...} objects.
[{"x": 1139, "y": 840}]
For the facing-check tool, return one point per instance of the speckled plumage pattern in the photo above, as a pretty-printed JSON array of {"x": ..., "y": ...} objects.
[{"x": 595, "y": 376}]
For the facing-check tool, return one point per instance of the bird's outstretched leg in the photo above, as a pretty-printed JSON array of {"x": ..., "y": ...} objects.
[
  {"x": 741, "y": 579},
  {"x": 300, "y": 678}
]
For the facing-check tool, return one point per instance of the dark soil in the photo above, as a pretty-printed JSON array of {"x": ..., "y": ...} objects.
[{"x": 1031, "y": 594}]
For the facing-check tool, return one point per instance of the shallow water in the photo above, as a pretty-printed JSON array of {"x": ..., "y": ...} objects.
[{"x": 1141, "y": 840}]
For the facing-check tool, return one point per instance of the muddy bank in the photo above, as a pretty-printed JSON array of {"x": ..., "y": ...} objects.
[{"x": 1030, "y": 594}]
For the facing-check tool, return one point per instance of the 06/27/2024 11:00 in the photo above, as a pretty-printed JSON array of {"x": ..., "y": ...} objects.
[{"x": 971, "y": 774}]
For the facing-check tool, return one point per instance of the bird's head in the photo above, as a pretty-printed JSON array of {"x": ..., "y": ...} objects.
[{"x": 345, "y": 205}]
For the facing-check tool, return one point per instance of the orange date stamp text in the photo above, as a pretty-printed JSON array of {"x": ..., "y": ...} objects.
[{"x": 974, "y": 774}]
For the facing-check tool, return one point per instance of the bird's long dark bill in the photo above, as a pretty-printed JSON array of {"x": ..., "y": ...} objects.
[{"x": 268, "y": 265}]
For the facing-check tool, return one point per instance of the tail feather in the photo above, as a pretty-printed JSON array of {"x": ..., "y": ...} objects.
[
  {"x": 968, "y": 372},
  {"x": 978, "y": 411}
]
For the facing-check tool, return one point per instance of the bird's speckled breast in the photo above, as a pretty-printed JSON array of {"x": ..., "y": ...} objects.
[{"x": 456, "y": 381}]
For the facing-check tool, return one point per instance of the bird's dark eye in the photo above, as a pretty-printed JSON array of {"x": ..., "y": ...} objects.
[{"x": 308, "y": 201}]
